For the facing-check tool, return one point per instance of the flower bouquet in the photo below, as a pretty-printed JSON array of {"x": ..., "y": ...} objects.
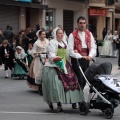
[{"x": 59, "y": 62}]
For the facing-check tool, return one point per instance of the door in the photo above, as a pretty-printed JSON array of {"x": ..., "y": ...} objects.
[{"x": 68, "y": 21}]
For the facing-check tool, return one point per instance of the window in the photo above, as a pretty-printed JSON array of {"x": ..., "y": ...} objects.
[
  {"x": 110, "y": 2},
  {"x": 49, "y": 19}
]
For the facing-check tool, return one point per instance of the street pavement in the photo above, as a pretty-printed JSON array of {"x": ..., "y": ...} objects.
[{"x": 19, "y": 102}]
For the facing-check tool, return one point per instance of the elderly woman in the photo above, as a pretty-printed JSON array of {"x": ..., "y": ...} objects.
[
  {"x": 60, "y": 85},
  {"x": 107, "y": 49},
  {"x": 39, "y": 47}
]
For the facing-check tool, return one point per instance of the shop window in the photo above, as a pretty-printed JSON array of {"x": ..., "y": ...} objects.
[{"x": 49, "y": 19}]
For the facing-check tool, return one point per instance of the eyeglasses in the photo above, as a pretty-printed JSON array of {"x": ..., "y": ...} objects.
[{"x": 82, "y": 22}]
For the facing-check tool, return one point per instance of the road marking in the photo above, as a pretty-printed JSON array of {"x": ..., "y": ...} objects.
[{"x": 33, "y": 113}]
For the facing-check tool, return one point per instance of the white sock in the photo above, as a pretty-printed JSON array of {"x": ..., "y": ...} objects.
[{"x": 6, "y": 73}]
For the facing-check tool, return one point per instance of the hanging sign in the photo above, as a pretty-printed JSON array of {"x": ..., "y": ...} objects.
[{"x": 96, "y": 12}]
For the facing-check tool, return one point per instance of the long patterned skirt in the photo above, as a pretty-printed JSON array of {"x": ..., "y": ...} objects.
[
  {"x": 18, "y": 71},
  {"x": 53, "y": 90}
]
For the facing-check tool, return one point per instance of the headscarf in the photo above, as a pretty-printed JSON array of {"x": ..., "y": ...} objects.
[
  {"x": 37, "y": 34},
  {"x": 54, "y": 34}
]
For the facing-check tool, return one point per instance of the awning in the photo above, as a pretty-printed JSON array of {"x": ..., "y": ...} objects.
[{"x": 23, "y": 4}]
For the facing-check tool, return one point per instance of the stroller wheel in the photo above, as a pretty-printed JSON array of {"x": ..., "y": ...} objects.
[
  {"x": 83, "y": 108},
  {"x": 108, "y": 113}
]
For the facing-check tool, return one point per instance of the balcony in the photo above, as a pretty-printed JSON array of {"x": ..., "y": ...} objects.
[
  {"x": 96, "y": 3},
  {"x": 117, "y": 4}
]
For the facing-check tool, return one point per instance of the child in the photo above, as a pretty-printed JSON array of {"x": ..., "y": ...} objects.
[
  {"x": 7, "y": 54},
  {"x": 20, "y": 66},
  {"x": 29, "y": 53}
]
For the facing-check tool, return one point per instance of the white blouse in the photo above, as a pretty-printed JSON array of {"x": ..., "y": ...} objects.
[{"x": 92, "y": 52}]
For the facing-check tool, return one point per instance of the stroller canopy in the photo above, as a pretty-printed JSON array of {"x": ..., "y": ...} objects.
[{"x": 98, "y": 68}]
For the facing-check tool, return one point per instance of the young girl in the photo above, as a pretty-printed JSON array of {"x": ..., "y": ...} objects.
[
  {"x": 20, "y": 66},
  {"x": 7, "y": 54},
  {"x": 29, "y": 53}
]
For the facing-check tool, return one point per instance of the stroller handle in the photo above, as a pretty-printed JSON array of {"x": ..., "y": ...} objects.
[{"x": 84, "y": 58}]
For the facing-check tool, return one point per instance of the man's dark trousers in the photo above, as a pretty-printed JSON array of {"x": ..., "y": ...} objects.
[{"x": 84, "y": 65}]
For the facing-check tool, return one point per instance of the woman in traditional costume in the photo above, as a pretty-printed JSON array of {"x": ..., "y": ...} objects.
[
  {"x": 35, "y": 72},
  {"x": 20, "y": 64},
  {"x": 59, "y": 83},
  {"x": 107, "y": 49}
]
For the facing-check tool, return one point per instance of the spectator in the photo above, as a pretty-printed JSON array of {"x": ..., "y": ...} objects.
[
  {"x": 1, "y": 40},
  {"x": 49, "y": 34},
  {"x": 9, "y": 35},
  {"x": 7, "y": 54},
  {"x": 104, "y": 33}
]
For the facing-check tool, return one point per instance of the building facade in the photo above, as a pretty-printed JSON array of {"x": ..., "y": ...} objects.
[
  {"x": 21, "y": 14},
  {"x": 65, "y": 13},
  {"x": 103, "y": 14},
  {"x": 47, "y": 13}
]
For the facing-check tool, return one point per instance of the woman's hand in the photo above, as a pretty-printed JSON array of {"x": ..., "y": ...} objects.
[
  {"x": 14, "y": 61},
  {"x": 26, "y": 65},
  {"x": 46, "y": 60},
  {"x": 37, "y": 53}
]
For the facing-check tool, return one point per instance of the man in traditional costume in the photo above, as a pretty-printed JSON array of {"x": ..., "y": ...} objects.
[{"x": 82, "y": 49}]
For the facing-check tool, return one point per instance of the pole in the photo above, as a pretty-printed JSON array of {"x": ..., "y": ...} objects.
[{"x": 112, "y": 22}]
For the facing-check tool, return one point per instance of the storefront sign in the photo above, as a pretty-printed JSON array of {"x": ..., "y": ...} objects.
[
  {"x": 24, "y": 0},
  {"x": 96, "y": 12}
]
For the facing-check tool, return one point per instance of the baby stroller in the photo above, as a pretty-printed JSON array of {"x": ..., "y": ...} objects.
[{"x": 104, "y": 93}]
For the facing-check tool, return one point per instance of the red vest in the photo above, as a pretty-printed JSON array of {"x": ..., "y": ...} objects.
[{"x": 78, "y": 42}]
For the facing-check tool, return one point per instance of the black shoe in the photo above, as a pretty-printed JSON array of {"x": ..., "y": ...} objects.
[
  {"x": 74, "y": 106},
  {"x": 59, "y": 109},
  {"x": 40, "y": 90},
  {"x": 51, "y": 106},
  {"x": 6, "y": 76},
  {"x": 22, "y": 77}
]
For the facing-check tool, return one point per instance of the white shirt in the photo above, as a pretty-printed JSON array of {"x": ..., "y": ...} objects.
[
  {"x": 115, "y": 37},
  {"x": 92, "y": 52}
]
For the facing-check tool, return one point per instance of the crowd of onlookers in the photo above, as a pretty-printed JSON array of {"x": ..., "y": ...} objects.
[
  {"x": 22, "y": 42},
  {"x": 27, "y": 37}
]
